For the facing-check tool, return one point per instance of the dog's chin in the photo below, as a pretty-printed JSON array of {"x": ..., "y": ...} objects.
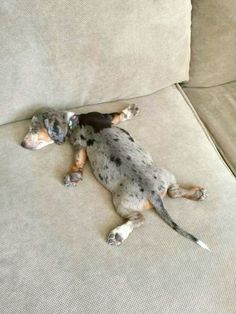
[{"x": 37, "y": 146}]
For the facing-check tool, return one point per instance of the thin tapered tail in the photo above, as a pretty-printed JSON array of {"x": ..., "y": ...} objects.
[{"x": 156, "y": 200}]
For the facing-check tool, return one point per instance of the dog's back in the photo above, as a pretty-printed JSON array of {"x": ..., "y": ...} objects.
[{"x": 116, "y": 158}]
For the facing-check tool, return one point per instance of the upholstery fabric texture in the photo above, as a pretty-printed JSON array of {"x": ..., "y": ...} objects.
[
  {"x": 54, "y": 258},
  {"x": 213, "y": 43},
  {"x": 216, "y": 107},
  {"x": 72, "y": 53}
]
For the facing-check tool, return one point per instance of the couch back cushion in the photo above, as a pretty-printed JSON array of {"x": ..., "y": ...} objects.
[
  {"x": 65, "y": 53},
  {"x": 213, "y": 44}
]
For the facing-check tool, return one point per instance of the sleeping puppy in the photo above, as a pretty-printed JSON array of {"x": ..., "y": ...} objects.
[
  {"x": 51, "y": 126},
  {"x": 124, "y": 168},
  {"x": 118, "y": 162}
]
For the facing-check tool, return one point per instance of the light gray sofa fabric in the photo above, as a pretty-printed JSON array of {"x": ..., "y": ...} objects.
[
  {"x": 54, "y": 258},
  {"x": 216, "y": 107},
  {"x": 213, "y": 43},
  {"x": 73, "y": 53}
]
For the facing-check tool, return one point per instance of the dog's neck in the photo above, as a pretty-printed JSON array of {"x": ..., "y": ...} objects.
[
  {"x": 68, "y": 115},
  {"x": 72, "y": 120}
]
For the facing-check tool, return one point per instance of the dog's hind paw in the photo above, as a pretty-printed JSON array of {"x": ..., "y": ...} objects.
[
  {"x": 73, "y": 178},
  {"x": 120, "y": 234},
  {"x": 131, "y": 111},
  {"x": 114, "y": 239}
]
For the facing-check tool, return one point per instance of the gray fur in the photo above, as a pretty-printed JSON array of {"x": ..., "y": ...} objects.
[
  {"x": 123, "y": 167},
  {"x": 118, "y": 162}
]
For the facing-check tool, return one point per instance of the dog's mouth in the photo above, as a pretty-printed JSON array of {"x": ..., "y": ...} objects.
[
  {"x": 32, "y": 145},
  {"x": 36, "y": 139}
]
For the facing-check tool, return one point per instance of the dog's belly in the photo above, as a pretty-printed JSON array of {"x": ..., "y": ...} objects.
[{"x": 115, "y": 158}]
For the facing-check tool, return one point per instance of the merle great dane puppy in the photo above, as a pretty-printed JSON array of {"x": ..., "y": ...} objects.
[{"x": 118, "y": 162}]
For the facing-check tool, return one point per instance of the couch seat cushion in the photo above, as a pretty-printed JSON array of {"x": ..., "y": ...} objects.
[
  {"x": 54, "y": 258},
  {"x": 216, "y": 107}
]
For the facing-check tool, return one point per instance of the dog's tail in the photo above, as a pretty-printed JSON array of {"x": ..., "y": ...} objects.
[{"x": 156, "y": 200}]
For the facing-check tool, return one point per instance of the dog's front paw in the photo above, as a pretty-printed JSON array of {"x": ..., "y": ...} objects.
[
  {"x": 131, "y": 112},
  {"x": 73, "y": 178}
]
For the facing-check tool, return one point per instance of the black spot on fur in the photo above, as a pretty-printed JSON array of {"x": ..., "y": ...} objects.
[
  {"x": 128, "y": 158},
  {"x": 155, "y": 177},
  {"x": 129, "y": 137},
  {"x": 116, "y": 139},
  {"x": 125, "y": 131},
  {"x": 116, "y": 160},
  {"x": 141, "y": 190},
  {"x": 82, "y": 137},
  {"x": 101, "y": 178},
  {"x": 153, "y": 192},
  {"x": 121, "y": 184},
  {"x": 96, "y": 120},
  {"x": 90, "y": 142}
]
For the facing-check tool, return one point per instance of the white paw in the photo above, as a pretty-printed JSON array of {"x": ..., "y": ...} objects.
[
  {"x": 119, "y": 234},
  {"x": 203, "y": 194},
  {"x": 131, "y": 112}
]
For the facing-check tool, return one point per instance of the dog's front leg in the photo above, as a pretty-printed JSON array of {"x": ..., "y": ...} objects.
[
  {"x": 76, "y": 171},
  {"x": 126, "y": 114}
]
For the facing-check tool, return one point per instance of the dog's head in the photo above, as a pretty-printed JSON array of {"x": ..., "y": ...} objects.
[{"x": 47, "y": 126}]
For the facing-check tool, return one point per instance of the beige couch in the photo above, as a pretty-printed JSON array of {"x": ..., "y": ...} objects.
[{"x": 68, "y": 54}]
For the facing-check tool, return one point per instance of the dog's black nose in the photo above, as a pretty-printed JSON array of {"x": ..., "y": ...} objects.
[{"x": 23, "y": 144}]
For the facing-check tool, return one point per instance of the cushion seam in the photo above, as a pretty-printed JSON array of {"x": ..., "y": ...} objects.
[{"x": 218, "y": 150}]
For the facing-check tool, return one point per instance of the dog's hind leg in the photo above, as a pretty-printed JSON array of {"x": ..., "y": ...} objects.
[
  {"x": 128, "y": 203},
  {"x": 118, "y": 235},
  {"x": 195, "y": 193}
]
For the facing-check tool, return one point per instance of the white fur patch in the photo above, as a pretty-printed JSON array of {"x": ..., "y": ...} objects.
[
  {"x": 124, "y": 230},
  {"x": 128, "y": 113},
  {"x": 131, "y": 111},
  {"x": 203, "y": 245}
]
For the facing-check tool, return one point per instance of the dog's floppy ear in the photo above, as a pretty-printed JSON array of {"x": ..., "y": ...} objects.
[{"x": 56, "y": 126}]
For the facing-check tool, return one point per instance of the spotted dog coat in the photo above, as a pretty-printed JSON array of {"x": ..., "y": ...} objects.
[
  {"x": 52, "y": 126},
  {"x": 124, "y": 168}
]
